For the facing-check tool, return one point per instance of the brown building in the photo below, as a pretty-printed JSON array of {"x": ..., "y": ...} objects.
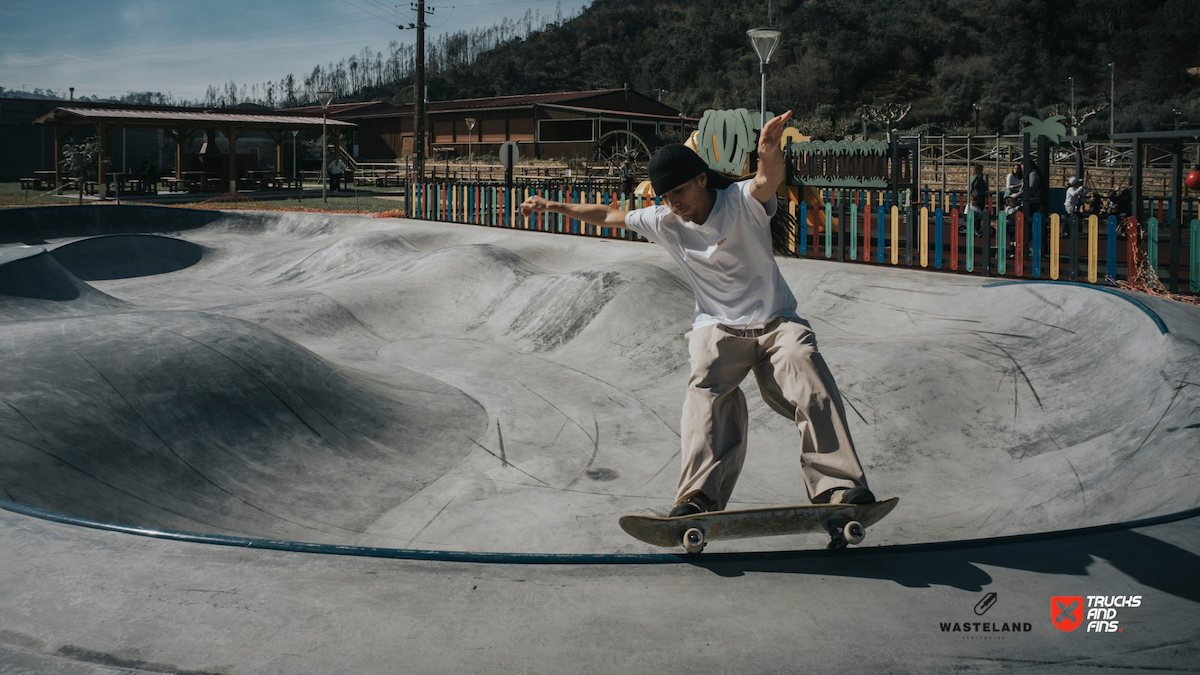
[
  {"x": 560, "y": 125},
  {"x": 143, "y": 133}
]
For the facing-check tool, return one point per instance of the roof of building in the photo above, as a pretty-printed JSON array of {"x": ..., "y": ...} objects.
[
  {"x": 379, "y": 109},
  {"x": 193, "y": 117}
]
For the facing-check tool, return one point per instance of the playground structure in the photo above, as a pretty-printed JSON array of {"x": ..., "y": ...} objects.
[
  {"x": 904, "y": 202},
  {"x": 866, "y": 226}
]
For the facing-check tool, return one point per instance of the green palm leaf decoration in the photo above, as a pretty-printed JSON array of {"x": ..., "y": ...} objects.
[{"x": 1051, "y": 127}]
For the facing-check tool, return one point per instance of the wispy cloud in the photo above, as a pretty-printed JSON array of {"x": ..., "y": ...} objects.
[{"x": 147, "y": 45}]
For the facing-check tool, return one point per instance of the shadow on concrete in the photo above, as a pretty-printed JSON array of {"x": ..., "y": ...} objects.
[
  {"x": 1136, "y": 554},
  {"x": 126, "y": 256},
  {"x": 38, "y": 277},
  {"x": 34, "y": 226}
]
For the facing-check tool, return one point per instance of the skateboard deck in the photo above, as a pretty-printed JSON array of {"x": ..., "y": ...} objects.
[{"x": 845, "y": 523}]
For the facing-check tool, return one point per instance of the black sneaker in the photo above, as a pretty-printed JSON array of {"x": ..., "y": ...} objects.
[
  {"x": 697, "y": 503},
  {"x": 854, "y": 495}
]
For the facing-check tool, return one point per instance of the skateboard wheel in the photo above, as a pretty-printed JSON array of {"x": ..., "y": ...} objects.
[
  {"x": 693, "y": 540},
  {"x": 854, "y": 532}
]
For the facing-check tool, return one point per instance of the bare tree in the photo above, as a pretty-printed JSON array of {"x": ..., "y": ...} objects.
[
  {"x": 886, "y": 115},
  {"x": 1076, "y": 117}
]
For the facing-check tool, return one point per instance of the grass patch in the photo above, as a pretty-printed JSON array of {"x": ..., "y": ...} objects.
[
  {"x": 11, "y": 194},
  {"x": 366, "y": 201}
]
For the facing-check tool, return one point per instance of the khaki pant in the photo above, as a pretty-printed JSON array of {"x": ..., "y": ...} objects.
[{"x": 794, "y": 381}]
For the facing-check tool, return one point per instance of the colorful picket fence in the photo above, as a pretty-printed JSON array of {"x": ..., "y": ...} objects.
[
  {"x": 494, "y": 206},
  {"x": 868, "y": 228}
]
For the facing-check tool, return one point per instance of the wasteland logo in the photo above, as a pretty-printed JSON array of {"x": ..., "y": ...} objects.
[
  {"x": 1066, "y": 612},
  {"x": 985, "y": 630}
]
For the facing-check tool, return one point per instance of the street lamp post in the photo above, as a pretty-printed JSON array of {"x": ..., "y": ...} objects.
[
  {"x": 1073, "y": 131},
  {"x": 324, "y": 97},
  {"x": 764, "y": 40},
  {"x": 1112, "y": 98},
  {"x": 470, "y": 152}
]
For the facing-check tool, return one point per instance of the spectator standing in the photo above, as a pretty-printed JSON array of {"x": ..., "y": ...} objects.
[
  {"x": 979, "y": 196},
  {"x": 627, "y": 175},
  {"x": 1033, "y": 196},
  {"x": 1032, "y": 189},
  {"x": 336, "y": 168}
]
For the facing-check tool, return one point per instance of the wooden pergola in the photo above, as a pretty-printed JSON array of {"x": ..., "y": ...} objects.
[{"x": 180, "y": 125}]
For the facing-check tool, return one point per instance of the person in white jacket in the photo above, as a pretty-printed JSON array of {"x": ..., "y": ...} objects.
[{"x": 1076, "y": 192}]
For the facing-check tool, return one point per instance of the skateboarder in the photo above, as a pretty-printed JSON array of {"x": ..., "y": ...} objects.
[{"x": 718, "y": 231}]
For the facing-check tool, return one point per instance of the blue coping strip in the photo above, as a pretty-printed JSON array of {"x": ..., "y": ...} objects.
[
  {"x": 583, "y": 558},
  {"x": 1162, "y": 327}
]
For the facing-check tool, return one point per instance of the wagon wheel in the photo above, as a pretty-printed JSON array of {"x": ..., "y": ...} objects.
[{"x": 611, "y": 149}]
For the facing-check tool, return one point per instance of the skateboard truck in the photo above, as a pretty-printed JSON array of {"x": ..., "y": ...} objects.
[{"x": 843, "y": 533}]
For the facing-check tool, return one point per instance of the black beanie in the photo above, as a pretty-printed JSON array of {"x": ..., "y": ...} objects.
[{"x": 674, "y": 165}]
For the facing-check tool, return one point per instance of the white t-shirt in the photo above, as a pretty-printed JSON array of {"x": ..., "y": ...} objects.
[{"x": 728, "y": 260}]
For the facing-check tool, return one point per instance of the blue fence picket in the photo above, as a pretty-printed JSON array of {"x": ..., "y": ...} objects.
[
  {"x": 938, "y": 237},
  {"x": 1037, "y": 245},
  {"x": 881, "y": 228},
  {"x": 1111, "y": 267}
]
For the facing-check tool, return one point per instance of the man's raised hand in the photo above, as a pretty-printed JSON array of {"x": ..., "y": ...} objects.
[{"x": 773, "y": 131}]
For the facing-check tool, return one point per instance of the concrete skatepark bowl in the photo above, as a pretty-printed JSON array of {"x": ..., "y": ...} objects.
[{"x": 411, "y": 442}]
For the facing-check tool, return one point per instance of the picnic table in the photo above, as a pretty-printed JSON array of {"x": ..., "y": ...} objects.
[
  {"x": 197, "y": 181},
  {"x": 38, "y": 181},
  {"x": 257, "y": 180},
  {"x": 135, "y": 183},
  {"x": 281, "y": 182}
]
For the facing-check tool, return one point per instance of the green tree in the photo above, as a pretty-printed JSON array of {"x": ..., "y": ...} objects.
[{"x": 80, "y": 161}]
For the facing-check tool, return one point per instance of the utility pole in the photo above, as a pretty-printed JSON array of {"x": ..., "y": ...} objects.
[{"x": 419, "y": 89}]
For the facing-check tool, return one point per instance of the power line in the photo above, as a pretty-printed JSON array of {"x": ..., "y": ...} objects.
[
  {"x": 367, "y": 11},
  {"x": 447, "y": 18}
]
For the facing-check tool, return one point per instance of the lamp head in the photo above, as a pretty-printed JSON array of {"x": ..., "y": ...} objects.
[
  {"x": 764, "y": 40},
  {"x": 324, "y": 97}
]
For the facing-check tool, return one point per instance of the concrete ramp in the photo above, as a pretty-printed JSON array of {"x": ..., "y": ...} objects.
[
  {"x": 125, "y": 256},
  {"x": 407, "y": 384},
  {"x": 34, "y": 285}
]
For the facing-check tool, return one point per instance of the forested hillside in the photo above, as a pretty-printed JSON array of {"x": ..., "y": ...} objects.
[
  {"x": 1012, "y": 57},
  {"x": 947, "y": 58}
]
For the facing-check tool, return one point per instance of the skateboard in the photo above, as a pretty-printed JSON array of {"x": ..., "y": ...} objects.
[{"x": 845, "y": 523}]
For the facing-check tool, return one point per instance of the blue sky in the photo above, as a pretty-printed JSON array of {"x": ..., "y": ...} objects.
[{"x": 110, "y": 47}]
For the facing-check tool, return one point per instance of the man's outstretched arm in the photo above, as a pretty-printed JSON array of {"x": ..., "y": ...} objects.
[
  {"x": 596, "y": 214},
  {"x": 770, "y": 159}
]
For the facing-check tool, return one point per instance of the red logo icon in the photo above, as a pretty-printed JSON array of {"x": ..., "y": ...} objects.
[{"x": 1066, "y": 612}]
